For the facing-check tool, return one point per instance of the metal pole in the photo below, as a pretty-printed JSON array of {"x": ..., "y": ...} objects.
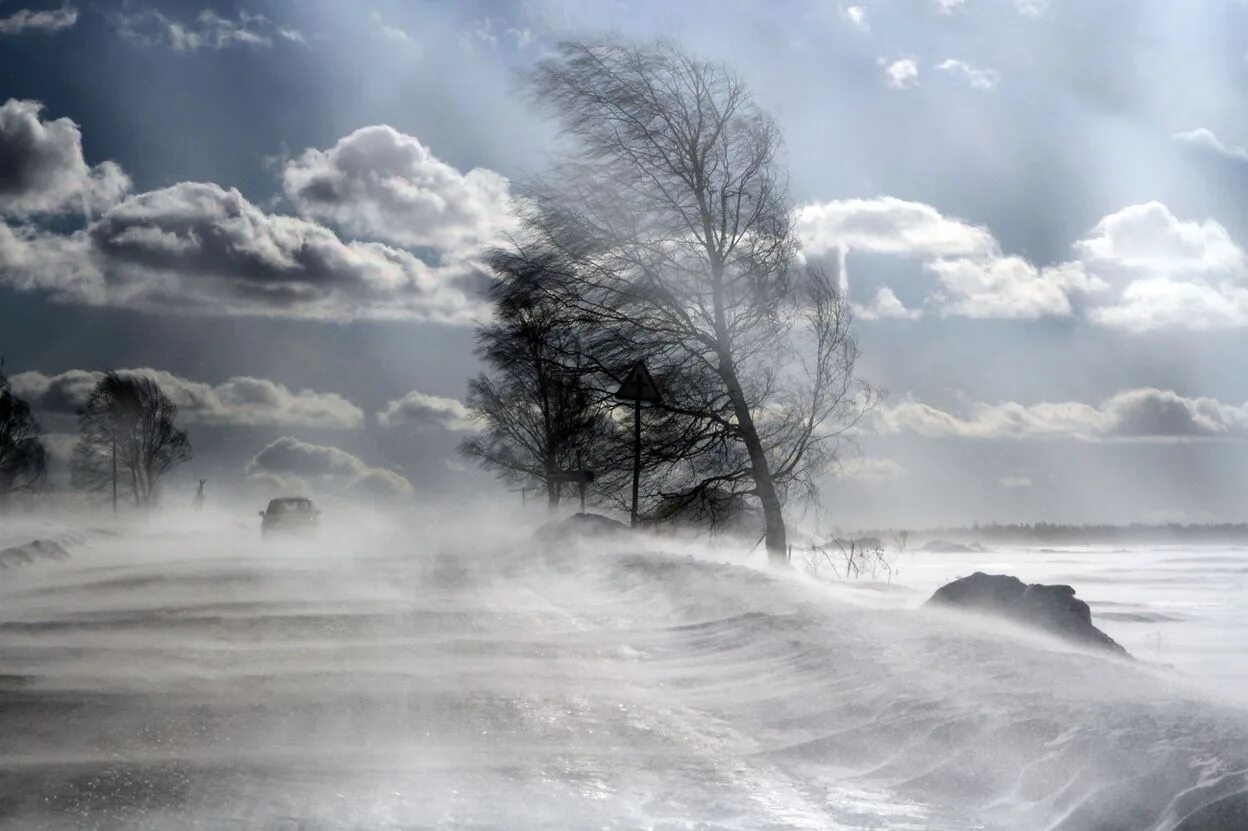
[
  {"x": 114, "y": 437},
  {"x": 632, "y": 521},
  {"x": 580, "y": 465}
]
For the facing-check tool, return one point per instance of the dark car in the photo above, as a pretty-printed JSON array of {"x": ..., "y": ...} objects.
[{"x": 292, "y": 513}]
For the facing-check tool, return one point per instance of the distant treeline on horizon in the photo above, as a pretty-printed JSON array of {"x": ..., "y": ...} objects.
[{"x": 1050, "y": 532}]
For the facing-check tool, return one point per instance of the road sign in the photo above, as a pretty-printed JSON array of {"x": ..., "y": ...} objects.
[
  {"x": 639, "y": 386},
  {"x": 576, "y": 477}
]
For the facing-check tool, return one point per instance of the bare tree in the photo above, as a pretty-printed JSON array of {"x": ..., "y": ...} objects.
[
  {"x": 537, "y": 417},
  {"x": 23, "y": 458},
  {"x": 672, "y": 223},
  {"x": 127, "y": 438}
]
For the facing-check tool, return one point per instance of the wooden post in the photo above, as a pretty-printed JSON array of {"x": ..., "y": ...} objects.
[
  {"x": 113, "y": 433},
  {"x": 632, "y": 520}
]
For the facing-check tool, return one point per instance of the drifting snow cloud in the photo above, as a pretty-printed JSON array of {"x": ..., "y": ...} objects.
[
  {"x": 421, "y": 411},
  {"x": 45, "y": 21},
  {"x": 1145, "y": 413},
  {"x": 43, "y": 169},
  {"x": 975, "y": 76},
  {"x": 239, "y": 401},
  {"x": 381, "y": 184},
  {"x": 208, "y": 30}
]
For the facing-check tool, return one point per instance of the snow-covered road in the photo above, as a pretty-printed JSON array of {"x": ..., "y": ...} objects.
[{"x": 203, "y": 680}]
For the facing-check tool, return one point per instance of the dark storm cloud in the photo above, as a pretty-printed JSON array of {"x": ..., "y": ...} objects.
[
  {"x": 200, "y": 248},
  {"x": 42, "y": 167},
  {"x": 44, "y": 21}
]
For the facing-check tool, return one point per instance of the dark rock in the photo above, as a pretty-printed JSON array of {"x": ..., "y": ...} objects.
[
  {"x": 582, "y": 525},
  {"x": 1055, "y": 609}
]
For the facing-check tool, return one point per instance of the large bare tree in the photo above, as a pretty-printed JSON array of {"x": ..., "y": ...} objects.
[
  {"x": 23, "y": 458},
  {"x": 670, "y": 216},
  {"x": 127, "y": 438}
]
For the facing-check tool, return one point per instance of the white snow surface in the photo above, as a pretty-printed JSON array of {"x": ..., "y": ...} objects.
[{"x": 190, "y": 676}]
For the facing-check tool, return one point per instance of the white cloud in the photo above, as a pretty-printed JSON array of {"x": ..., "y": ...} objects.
[
  {"x": 381, "y": 184},
  {"x": 240, "y": 401},
  {"x": 975, "y": 278},
  {"x": 857, "y": 17},
  {"x": 902, "y": 73},
  {"x": 1168, "y": 272},
  {"x": 888, "y": 225},
  {"x": 208, "y": 30},
  {"x": 416, "y": 409},
  {"x": 388, "y": 30},
  {"x": 1031, "y": 8},
  {"x": 1139, "y": 268},
  {"x": 1205, "y": 138},
  {"x": 871, "y": 469},
  {"x": 976, "y": 77},
  {"x": 1014, "y": 482},
  {"x": 380, "y": 485},
  {"x": 1145, "y": 413},
  {"x": 44, "y": 170},
  {"x": 949, "y": 6},
  {"x": 886, "y": 304},
  {"x": 47, "y": 20}
]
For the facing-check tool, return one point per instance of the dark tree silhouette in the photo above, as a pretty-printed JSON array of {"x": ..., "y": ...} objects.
[
  {"x": 127, "y": 438},
  {"x": 23, "y": 458},
  {"x": 672, "y": 227},
  {"x": 537, "y": 416}
]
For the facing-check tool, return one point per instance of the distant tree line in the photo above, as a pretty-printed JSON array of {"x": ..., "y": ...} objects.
[
  {"x": 664, "y": 234},
  {"x": 127, "y": 441},
  {"x": 1039, "y": 533}
]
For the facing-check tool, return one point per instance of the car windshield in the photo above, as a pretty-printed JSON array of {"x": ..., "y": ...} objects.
[{"x": 290, "y": 506}]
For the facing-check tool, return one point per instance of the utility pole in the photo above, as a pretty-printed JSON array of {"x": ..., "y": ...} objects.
[{"x": 637, "y": 387}]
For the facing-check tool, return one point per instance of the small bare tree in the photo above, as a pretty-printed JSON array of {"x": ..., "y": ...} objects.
[
  {"x": 536, "y": 415},
  {"x": 672, "y": 225},
  {"x": 23, "y": 458},
  {"x": 127, "y": 438}
]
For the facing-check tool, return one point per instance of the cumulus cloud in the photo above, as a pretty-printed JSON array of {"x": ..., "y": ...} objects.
[
  {"x": 44, "y": 170},
  {"x": 382, "y": 184},
  {"x": 884, "y": 305},
  {"x": 1145, "y": 413},
  {"x": 888, "y": 225},
  {"x": 975, "y": 279},
  {"x": 1140, "y": 268},
  {"x": 208, "y": 30},
  {"x": 1206, "y": 139},
  {"x": 977, "y": 77},
  {"x": 418, "y": 410},
  {"x": 47, "y": 20},
  {"x": 241, "y": 401},
  {"x": 1168, "y": 272},
  {"x": 293, "y": 464},
  {"x": 199, "y": 248},
  {"x": 870, "y": 468},
  {"x": 902, "y": 73}
]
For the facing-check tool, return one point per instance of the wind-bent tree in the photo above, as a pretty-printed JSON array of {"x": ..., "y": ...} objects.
[
  {"x": 23, "y": 457},
  {"x": 537, "y": 417},
  {"x": 672, "y": 225},
  {"x": 127, "y": 438}
]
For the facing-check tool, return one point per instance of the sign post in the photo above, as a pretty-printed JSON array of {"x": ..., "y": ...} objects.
[{"x": 637, "y": 387}]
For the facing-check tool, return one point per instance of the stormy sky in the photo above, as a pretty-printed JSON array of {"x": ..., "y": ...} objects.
[{"x": 279, "y": 207}]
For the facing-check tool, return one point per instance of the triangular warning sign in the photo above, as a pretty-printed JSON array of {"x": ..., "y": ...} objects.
[{"x": 639, "y": 386}]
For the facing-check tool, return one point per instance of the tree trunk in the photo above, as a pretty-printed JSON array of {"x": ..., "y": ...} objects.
[{"x": 776, "y": 537}]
